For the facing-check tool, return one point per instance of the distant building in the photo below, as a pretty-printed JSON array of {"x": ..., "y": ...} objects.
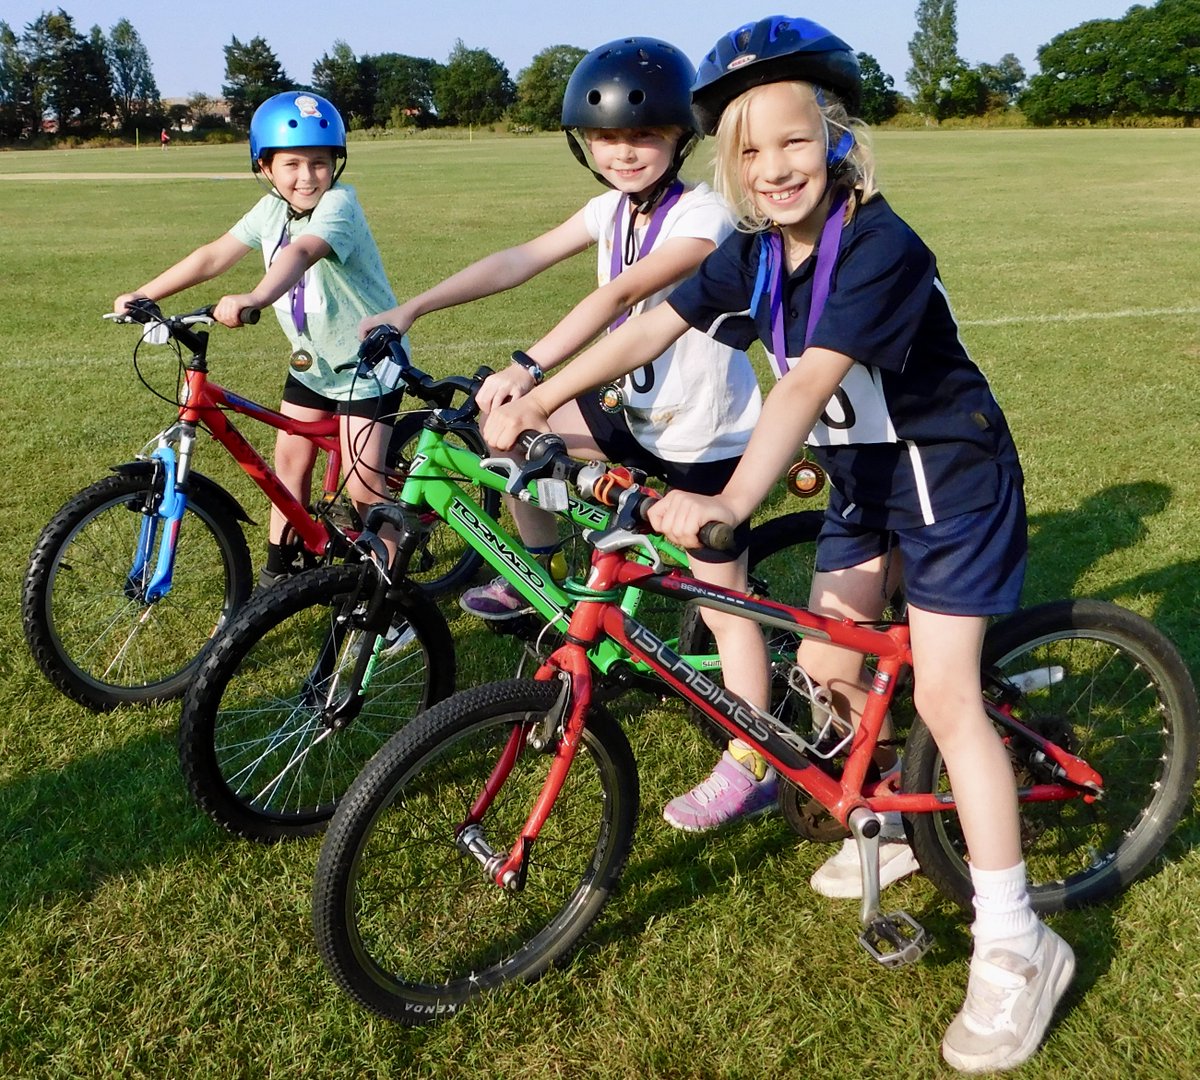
[{"x": 217, "y": 108}]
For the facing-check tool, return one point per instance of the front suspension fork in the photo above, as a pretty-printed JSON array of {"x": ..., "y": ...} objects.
[{"x": 159, "y": 527}]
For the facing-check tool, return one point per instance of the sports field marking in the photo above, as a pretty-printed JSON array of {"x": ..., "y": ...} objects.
[
  {"x": 1081, "y": 316},
  {"x": 124, "y": 176}
]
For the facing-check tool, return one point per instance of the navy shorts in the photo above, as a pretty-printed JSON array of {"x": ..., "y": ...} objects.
[
  {"x": 617, "y": 442},
  {"x": 968, "y": 564},
  {"x": 382, "y": 408}
]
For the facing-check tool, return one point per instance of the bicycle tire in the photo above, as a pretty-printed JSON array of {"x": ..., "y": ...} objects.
[
  {"x": 793, "y": 536},
  {"x": 1116, "y": 692},
  {"x": 444, "y": 562},
  {"x": 259, "y": 749},
  {"x": 413, "y": 929},
  {"x": 97, "y": 644}
]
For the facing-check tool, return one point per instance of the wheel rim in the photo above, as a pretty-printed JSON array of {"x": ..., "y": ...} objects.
[
  {"x": 112, "y": 641},
  {"x": 276, "y": 749},
  {"x": 1094, "y": 692}
]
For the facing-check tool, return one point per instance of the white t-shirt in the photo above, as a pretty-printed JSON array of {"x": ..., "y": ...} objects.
[{"x": 699, "y": 400}]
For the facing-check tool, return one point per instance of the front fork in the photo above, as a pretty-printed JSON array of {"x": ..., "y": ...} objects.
[
  {"x": 558, "y": 734},
  {"x": 162, "y": 515}
]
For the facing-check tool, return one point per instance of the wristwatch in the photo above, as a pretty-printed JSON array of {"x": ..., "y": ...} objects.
[{"x": 529, "y": 364}]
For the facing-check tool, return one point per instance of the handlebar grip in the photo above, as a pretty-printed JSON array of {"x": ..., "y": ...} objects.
[
  {"x": 249, "y": 315},
  {"x": 717, "y": 535},
  {"x": 538, "y": 443}
]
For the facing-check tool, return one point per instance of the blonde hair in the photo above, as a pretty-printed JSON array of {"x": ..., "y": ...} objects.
[{"x": 856, "y": 173}]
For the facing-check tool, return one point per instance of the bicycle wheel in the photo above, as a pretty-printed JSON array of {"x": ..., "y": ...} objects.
[
  {"x": 87, "y": 622},
  {"x": 271, "y": 735},
  {"x": 1102, "y": 683},
  {"x": 782, "y": 555},
  {"x": 410, "y": 925},
  {"x": 444, "y": 562}
]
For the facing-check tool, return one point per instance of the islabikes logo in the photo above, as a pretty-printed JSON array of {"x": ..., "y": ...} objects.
[
  {"x": 740, "y": 61},
  {"x": 764, "y": 729},
  {"x": 519, "y": 567}
]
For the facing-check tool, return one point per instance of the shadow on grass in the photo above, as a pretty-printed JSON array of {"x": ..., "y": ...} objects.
[
  {"x": 64, "y": 831},
  {"x": 1065, "y": 546}
]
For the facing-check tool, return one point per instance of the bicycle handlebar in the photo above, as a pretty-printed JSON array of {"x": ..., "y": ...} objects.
[
  {"x": 386, "y": 343},
  {"x": 548, "y": 459},
  {"x": 147, "y": 313}
]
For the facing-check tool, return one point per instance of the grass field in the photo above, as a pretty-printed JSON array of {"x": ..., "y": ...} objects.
[{"x": 138, "y": 940}]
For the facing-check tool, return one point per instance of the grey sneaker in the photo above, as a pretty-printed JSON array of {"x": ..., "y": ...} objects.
[{"x": 1010, "y": 1000}]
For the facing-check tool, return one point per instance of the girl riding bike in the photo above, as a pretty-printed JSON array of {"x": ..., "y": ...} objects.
[
  {"x": 323, "y": 273},
  {"x": 848, "y": 302},
  {"x": 686, "y": 414}
]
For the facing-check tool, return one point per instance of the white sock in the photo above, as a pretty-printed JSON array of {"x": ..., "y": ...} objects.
[{"x": 1003, "y": 914}]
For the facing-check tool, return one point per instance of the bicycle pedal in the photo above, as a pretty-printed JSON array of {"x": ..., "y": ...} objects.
[{"x": 895, "y": 940}]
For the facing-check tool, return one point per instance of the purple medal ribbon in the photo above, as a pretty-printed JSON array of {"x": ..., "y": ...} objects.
[
  {"x": 827, "y": 252},
  {"x": 617, "y": 264},
  {"x": 297, "y": 293}
]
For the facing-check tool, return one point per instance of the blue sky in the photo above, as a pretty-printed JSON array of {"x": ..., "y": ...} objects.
[{"x": 187, "y": 55}]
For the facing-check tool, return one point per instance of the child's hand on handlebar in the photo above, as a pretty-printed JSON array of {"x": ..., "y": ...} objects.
[
  {"x": 122, "y": 302},
  {"x": 505, "y": 424},
  {"x": 397, "y": 318},
  {"x": 679, "y": 516},
  {"x": 228, "y": 310},
  {"x": 507, "y": 385}
]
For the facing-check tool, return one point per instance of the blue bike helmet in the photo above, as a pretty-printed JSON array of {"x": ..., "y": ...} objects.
[
  {"x": 293, "y": 119},
  {"x": 774, "y": 49},
  {"x": 635, "y": 82}
]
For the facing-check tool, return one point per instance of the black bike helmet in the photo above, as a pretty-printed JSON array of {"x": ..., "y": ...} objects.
[
  {"x": 636, "y": 82},
  {"x": 774, "y": 49}
]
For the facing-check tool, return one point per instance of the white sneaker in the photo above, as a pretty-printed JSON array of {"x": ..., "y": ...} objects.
[
  {"x": 1010, "y": 1000},
  {"x": 840, "y": 876}
]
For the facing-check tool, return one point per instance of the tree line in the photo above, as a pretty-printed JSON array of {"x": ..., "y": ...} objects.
[
  {"x": 1143, "y": 65},
  {"x": 1146, "y": 64}
]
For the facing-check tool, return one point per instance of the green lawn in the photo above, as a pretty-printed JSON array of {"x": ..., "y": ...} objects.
[{"x": 138, "y": 940}]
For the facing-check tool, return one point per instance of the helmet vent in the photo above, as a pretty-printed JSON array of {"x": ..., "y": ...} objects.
[
  {"x": 636, "y": 97},
  {"x": 593, "y": 97},
  {"x": 293, "y": 124},
  {"x": 743, "y": 38}
]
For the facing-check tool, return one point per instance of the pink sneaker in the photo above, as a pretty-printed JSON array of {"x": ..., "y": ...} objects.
[
  {"x": 495, "y": 600},
  {"x": 729, "y": 793}
]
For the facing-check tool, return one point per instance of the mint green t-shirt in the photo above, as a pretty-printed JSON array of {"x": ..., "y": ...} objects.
[{"x": 339, "y": 290}]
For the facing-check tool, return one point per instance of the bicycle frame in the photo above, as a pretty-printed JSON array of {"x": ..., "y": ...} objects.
[
  {"x": 207, "y": 403},
  {"x": 431, "y": 484},
  {"x": 598, "y": 618}
]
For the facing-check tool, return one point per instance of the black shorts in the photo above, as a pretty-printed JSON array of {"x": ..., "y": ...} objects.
[
  {"x": 383, "y": 407},
  {"x": 617, "y": 442}
]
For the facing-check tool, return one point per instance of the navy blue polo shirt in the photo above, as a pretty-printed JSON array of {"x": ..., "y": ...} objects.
[{"x": 913, "y": 434}]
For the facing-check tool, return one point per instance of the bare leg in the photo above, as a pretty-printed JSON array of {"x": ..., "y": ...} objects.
[{"x": 294, "y": 458}]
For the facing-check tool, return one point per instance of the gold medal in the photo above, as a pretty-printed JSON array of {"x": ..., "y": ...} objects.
[
  {"x": 611, "y": 400},
  {"x": 806, "y": 478},
  {"x": 301, "y": 360}
]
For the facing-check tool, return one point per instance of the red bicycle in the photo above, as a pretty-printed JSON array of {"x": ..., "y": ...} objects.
[
  {"x": 135, "y": 574},
  {"x": 483, "y": 840}
]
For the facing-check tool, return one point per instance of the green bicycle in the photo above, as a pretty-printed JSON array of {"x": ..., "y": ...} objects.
[{"x": 309, "y": 679}]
